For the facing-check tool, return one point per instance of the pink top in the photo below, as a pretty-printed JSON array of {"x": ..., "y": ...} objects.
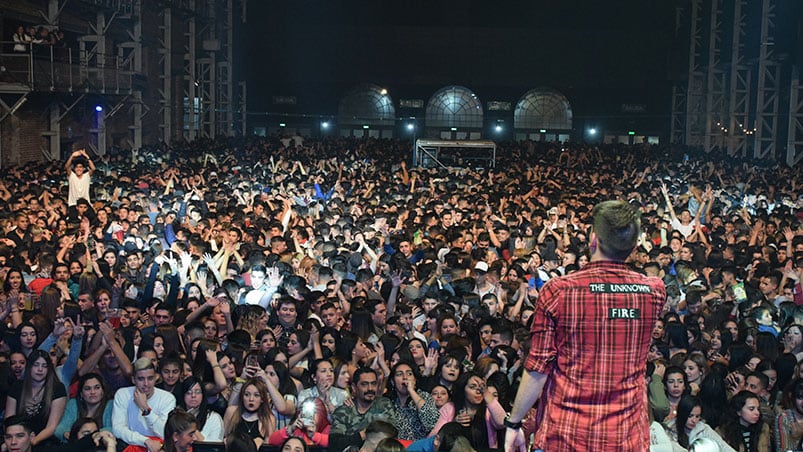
[
  {"x": 494, "y": 410},
  {"x": 318, "y": 439}
]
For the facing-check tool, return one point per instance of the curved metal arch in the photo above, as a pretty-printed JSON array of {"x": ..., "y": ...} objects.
[
  {"x": 365, "y": 104},
  {"x": 454, "y": 106},
  {"x": 542, "y": 108}
]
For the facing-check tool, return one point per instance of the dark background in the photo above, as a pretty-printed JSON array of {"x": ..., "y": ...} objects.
[{"x": 600, "y": 54}]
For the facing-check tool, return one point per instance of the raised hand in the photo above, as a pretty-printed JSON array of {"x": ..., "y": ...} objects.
[
  {"x": 274, "y": 278},
  {"x": 430, "y": 361}
]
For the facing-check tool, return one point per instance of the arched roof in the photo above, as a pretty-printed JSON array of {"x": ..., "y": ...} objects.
[
  {"x": 543, "y": 108},
  {"x": 454, "y": 106},
  {"x": 367, "y": 104}
]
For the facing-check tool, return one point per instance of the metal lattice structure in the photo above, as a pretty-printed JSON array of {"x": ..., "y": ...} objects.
[
  {"x": 767, "y": 95},
  {"x": 716, "y": 83},
  {"x": 543, "y": 108},
  {"x": 166, "y": 73},
  {"x": 735, "y": 94},
  {"x": 209, "y": 100},
  {"x": 366, "y": 104},
  {"x": 794, "y": 145},
  {"x": 454, "y": 106},
  {"x": 740, "y": 76},
  {"x": 695, "y": 98}
]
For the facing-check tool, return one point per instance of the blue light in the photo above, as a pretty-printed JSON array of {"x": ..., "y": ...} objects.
[
  {"x": 325, "y": 125},
  {"x": 410, "y": 126},
  {"x": 98, "y": 108},
  {"x": 592, "y": 131},
  {"x": 498, "y": 128}
]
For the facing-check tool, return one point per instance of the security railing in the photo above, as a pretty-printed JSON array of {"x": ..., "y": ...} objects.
[{"x": 65, "y": 69}]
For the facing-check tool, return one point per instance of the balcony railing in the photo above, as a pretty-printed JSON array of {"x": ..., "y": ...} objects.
[{"x": 65, "y": 69}]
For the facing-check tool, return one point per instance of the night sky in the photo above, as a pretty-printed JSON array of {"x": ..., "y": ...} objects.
[{"x": 599, "y": 54}]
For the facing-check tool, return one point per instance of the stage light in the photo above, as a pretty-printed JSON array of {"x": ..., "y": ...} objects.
[
  {"x": 454, "y": 129},
  {"x": 410, "y": 126},
  {"x": 383, "y": 92},
  {"x": 325, "y": 125},
  {"x": 592, "y": 131},
  {"x": 630, "y": 132},
  {"x": 498, "y": 128},
  {"x": 281, "y": 124},
  {"x": 542, "y": 130},
  {"x": 366, "y": 126},
  {"x": 98, "y": 108}
]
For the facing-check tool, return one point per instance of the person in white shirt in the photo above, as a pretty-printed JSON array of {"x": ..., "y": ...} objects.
[
  {"x": 79, "y": 176},
  {"x": 140, "y": 412}
]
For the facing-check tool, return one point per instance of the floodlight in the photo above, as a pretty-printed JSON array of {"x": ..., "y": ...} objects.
[
  {"x": 592, "y": 131},
  {"x": 498, "y": 128},
  {"x": 325, "y": 125},
  {"x": 98, "y": 108},
  {"x": 410, "y": 126}
]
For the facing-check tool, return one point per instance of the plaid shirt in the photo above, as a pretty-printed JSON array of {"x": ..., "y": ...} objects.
[{"x": 590, "y": 335}]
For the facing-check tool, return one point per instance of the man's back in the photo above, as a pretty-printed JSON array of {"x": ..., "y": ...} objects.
[{"x": 591, "y": 332}]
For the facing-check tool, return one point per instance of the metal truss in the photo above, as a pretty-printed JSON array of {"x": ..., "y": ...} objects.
[
  {"x": 767, "y": 94},
  {"x": 715, "y": 84},
  {"x": 695, "y": 99},
  {"x": 740, "y": 86},
  {"x": 794, "y": 146},
  {"x": 166, "y": 74}
]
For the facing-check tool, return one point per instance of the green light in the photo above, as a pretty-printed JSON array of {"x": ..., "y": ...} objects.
[
  {"x": 631, "y": 132},
  {"x": 542, "y": 130},
  {"x": 454, "y": 129},
  {"x": 365, "y": 127},
  {"x": 281, "y": 124}
]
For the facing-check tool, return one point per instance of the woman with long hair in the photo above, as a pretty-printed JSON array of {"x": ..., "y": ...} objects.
[
  {"x": 676, "y": 385},
  {"x": 688, "y": 425},
  {"x": 51, "y": 304},
  {"x": 218, "y": 401},
  {"x": 419, "y": 352},
  {"x": 792, "y": 339},
  {"x": 90, "y": 402},
  {"x": 323, "y": 375},
  {"x": 695, "y": 366},
  {"x": 28, "y": 338},
  {"x": 352, "y": 350},
  {"x": 414, "y": 407},
  {"x": 787, "y": 433},
  {"x": 181, "y": 431},
  {"x": 253, "y": 319},
  {"x": 475, "y": 409},
  {"x": 329, "y": 340},
  {"x": 742, "y": 427},
  {"x": 311, "y": 425},
  {"x": 250, "y": 412},
  {"x": 284, "y": 396},
  {"x": 447, "y": 373},
  {"x": 206, "y": 368},
  {"x": 440, "y": 394},
  {"x": 210, "y": 424},
  {"x": 103, "y": 302},
  {"x": 265, "y": 340},
  {"x": 39, "y": 395},
  {"x": 171, "y": 339}
]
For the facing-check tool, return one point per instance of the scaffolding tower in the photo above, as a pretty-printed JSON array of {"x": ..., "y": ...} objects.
[{"x": 735, "y": 91}]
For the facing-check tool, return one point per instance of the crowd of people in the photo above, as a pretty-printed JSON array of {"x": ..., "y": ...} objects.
[
  {"x": 326, "y": 294},
  {"x": 30, "y": 38}
]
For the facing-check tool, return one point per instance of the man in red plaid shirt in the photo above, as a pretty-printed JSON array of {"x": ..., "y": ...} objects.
[{"x": 590, "y": 338}]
